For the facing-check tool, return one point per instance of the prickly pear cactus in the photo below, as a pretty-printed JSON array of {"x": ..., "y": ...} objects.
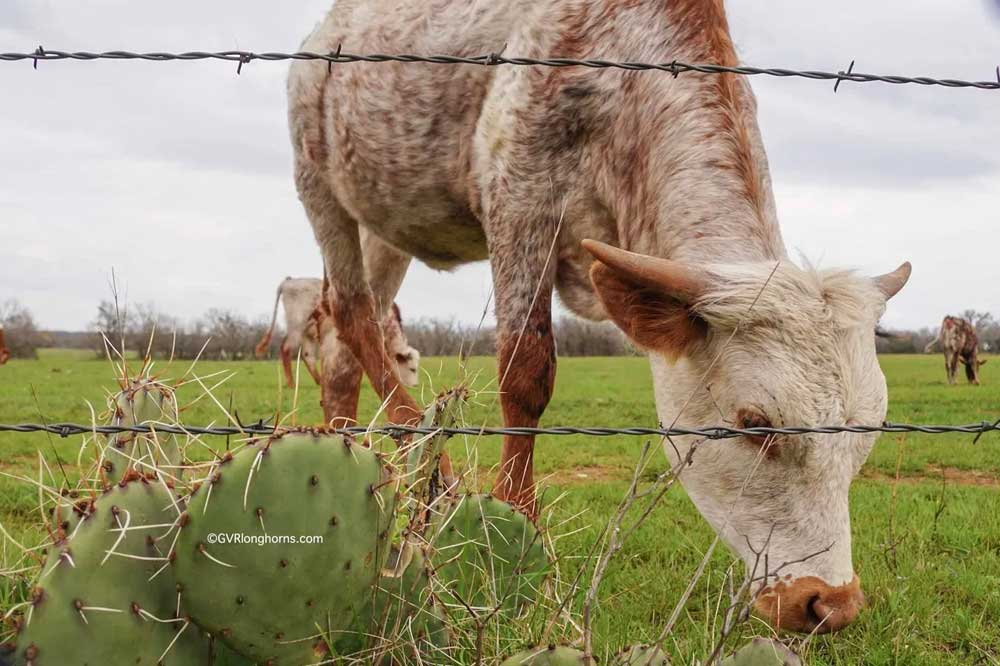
[
  {"x": 107, "y": 596},
  {"x": 548, "y": 656},
  {"x": 406, "y": 615},
  {"x": 642, "y": 655},
  {"x": 423, "y": 456},
  {"x": 488, "y": 554},
  {"x": 278, "y": 599},
  {"x": 762, "y": 652},
  {"x": 144, "y": 400}
]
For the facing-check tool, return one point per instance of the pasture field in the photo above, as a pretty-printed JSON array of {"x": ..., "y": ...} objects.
[{"x": 926, "y": 509}]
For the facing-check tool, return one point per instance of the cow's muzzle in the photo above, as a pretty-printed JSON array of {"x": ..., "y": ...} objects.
[{"x": 810, "y": 605}]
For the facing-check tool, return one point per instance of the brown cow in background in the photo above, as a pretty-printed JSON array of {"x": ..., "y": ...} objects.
[
  {"x": 958, "y": 341},
  {"x": 4, "y": 352}
]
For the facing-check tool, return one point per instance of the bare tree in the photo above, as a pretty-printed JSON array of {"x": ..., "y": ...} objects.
[{"x": 22, "y": 335}]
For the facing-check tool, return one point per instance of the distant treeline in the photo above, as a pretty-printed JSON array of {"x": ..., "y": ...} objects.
[
  {"x": 225, "y": 335},
  {"x": 574, "y": 337}
]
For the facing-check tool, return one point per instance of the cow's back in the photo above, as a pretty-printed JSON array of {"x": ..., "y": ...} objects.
[{"x": 395, "y": 138}]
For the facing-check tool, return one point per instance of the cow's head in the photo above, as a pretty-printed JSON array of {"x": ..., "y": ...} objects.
[
  {"x": 408, "y": 362},
  {"x": 754, "y": 345},
  {"x": 396, "y": 345}
]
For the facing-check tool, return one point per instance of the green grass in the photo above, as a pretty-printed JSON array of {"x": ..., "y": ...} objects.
[{"x": 935, "y": 601}]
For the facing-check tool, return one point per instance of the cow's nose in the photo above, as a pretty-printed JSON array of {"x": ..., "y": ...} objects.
[
  {"x": 835, "y": 608},
  {"x": 810, "y": 605}
]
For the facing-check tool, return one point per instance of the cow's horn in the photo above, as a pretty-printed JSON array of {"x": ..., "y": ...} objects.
[
  {"x": 678, "y": 280},
  {"x": 890, "y": 283}
]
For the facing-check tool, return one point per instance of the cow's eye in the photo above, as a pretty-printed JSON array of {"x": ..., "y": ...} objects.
[
  {"x": 402, "y": 358},
  {"x": 753, "y": 418}
]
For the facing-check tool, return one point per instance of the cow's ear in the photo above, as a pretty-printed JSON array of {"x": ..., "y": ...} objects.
[{"x": 649, "y": 298}]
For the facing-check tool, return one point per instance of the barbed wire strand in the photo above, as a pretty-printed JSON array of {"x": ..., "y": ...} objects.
[
  {"x": 712, "y": 432},
  {"x": 674, "y": 67}
]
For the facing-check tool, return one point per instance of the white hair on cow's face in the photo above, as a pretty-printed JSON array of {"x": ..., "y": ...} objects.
[{"x": 783, "y": 295}]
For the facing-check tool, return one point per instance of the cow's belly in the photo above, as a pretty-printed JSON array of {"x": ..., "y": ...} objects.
[{"x": 399, "y": 136}]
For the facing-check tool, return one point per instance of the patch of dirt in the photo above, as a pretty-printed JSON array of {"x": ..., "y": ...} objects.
[{"x": 953, "y": 476}]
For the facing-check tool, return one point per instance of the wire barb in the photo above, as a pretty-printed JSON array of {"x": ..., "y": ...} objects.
[
  {"x": 245, "y": 58},
  {"x": 492, "y": 59},
  {"x": 841, "y": 75}
]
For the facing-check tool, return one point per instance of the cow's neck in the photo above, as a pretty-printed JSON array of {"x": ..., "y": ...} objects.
[{"x": 698, "y": 188}]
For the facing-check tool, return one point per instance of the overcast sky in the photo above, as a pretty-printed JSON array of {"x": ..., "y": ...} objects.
[{"x": 178, "y": 175}]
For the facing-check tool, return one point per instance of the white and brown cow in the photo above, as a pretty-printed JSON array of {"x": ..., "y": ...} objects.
[
  {"x": 4, "y": 352},
  {"x": 668, "y": 176},
  {"x": 959, "y": 342},
  {"x": 304, "y": 319}
]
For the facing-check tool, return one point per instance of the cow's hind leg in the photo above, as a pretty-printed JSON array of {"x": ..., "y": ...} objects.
[
  {"x": 348, "y": 300},
  {"x": 286, "y": 363},
  {"x": 385, "y": 268}
]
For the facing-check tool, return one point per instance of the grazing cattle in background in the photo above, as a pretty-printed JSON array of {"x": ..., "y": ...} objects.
[
  {"x": 668, "y": 178},
  {"x": 4, "y": 352},
  {"x": 959, "y": 342},
  {"x": 301, "y": 299}
]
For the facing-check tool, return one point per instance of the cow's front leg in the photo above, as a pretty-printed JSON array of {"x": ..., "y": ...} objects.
[
  {"x": 971, "y": 370},
  {"x": 951, "y": 365},
  {"x": 523, "y": 274},
  {"x": 526, "y": 366}
]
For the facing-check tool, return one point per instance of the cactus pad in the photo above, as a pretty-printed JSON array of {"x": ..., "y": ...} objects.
[
  {"x": 489, "y": 554},
  {"x": 762, "y": 652},
  {"x": 142, "y": 401},
  {"x": 276, "y": 601},
  {"x": 406, "y": 615},
  {"x": 643, "y": 655},
  {"x": 97, "y": 602},
  {"x": 548, "y": 656},
  {"x": 423, "y": 456}
]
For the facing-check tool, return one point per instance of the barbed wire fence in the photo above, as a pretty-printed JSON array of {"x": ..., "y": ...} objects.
[
  {"x": 712, "y": 432},
  {"x": 675, "y": 67}
]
